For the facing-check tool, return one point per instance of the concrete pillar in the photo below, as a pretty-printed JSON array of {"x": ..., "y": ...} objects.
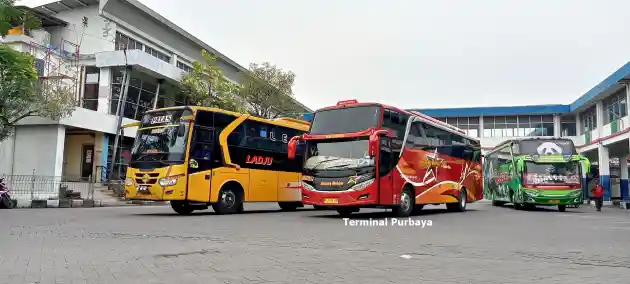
[
  {"x": 61, "y": 142},
  {"x": 104, "y": 90},
  {"x": 599, "y": 110},
  {"x": 623, "y": 181},
  {"x": 7, "y": 155},
  {"x": 604, "y": 170},
  {"x": 556, "y": 125},
  {"x": 481, "y": 127},
  {"x": 578, "y": 125}
]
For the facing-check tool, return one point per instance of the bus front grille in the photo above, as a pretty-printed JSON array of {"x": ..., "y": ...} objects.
[{"x": 146, "y": 178}]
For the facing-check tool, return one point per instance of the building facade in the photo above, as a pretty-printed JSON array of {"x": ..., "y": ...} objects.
[
  {"x": 95, "y": 42},
  {"x": 597, "y": 122}
]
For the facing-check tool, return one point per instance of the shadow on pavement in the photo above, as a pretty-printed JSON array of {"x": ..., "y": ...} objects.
[
  {"x": 541, "y": 209},
  {"x": 389, "y": 214},
  {"x": 210, "y": 212}
]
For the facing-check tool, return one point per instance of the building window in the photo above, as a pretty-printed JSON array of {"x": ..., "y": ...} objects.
[
  {"x": 90, "y": 89},
  {"x": 518, "y": 126},
  {"x": 615, "y": 107},
  {"x": 140, "y": 95},
  {"x": 183, "y": 66},
  {"x": 123, "y": 155},
  {"x": 157, "y": 54},
  {"x": 568, "y": 126},
  {"x": 124, "y": 42},
  {"x": 589, "y": 120},
  {"x": 470, "y": 125}
]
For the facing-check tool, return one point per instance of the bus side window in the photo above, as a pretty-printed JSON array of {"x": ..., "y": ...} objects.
[{"x": 385, "y": 161}]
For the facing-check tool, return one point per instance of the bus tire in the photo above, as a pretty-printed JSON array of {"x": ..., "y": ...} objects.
[
  {"x": 290, "y": 206},
  {"x": 407, "y": 203},
  {"x": 515, "y": 204},
  {"x": 562, "y": 208},
  {"x": 181, "y": 207},
  {"x": 230, "y": 200},
  {"x": 462, "y": 201}
]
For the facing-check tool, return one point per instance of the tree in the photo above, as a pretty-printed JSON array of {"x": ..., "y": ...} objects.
[
  {"x": 23, "y": 95},
  {"x": 268, "y": 91},
  {"x": 12, "y": 16},
  {"x": 205, "y": 85}
]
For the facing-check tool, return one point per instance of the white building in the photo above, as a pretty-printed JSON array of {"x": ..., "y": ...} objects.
[
  {"x": 597, "y": 122},
  {"x": 94, "y": 40}
]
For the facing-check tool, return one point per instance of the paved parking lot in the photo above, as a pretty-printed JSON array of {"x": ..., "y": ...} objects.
[{"x": 152, "y": 245}]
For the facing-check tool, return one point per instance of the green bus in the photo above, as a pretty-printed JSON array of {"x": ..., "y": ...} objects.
[{"x": 536, "y": 171}]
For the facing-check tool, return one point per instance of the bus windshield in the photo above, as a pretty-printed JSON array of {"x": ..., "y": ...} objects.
[
  {"x": 556, "y": 173},
  {"x": 338, "y": 154},
  {"x": 162, "y": 137},
  {"x": 547, "y": 147},
  {"x": 345, "y": 120},
  {"x": 166, "y": 144}
]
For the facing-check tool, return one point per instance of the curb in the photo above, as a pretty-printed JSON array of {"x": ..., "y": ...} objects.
[{"x": 80, "y": 203}]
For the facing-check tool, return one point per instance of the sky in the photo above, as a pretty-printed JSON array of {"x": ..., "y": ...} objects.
[{"x": 418, "y": 54}]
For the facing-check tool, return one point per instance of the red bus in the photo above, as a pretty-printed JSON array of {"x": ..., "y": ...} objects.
[{"x": 369, "y": 155}]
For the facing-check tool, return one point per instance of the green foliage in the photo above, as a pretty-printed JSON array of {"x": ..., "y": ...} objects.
[
  {"x": 23, "y": 95},
  {"x": 11, "y": 16},
  {"x": 268, "y": 91},
  {"x": 206, "y": 86}
]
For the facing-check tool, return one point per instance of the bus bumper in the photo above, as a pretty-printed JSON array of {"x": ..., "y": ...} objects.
[
  {"x": 572, "y": 197},
  {"x": 340, "y": 198}
]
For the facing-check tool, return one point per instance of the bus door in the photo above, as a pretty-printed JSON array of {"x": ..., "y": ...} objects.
[
  {"x": 201, "y": 159},
  {"x": 385, "y": 171}
]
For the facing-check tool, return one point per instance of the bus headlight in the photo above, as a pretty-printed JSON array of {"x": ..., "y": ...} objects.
[
  {"x": 168, "y": 181},
  {"x": 307, "y": 186},
  {"x": 533, "y": 193},
  {"x": 128, "y": 181},
  {"x": 362, "y": 185}
]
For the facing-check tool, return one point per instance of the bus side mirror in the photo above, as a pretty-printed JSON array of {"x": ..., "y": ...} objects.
[
  {"x": 520, "y": 165},
  {"x": 586, "y": 164},
  {"x": 292, "y": 147},
  {"x": 374, "y": 144}
]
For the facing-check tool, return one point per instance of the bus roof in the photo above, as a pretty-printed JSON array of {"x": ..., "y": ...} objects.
[
  {"x": 428, "y": 119},
  {"x": 284, "y": 121},
  {"x": 518, "y": 139}
]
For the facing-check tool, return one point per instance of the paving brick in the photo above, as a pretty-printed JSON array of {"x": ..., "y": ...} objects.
[{"x": 153, "y": 245}]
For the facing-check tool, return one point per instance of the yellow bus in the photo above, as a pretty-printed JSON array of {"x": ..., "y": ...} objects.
[{"x": 196, "y": 157}]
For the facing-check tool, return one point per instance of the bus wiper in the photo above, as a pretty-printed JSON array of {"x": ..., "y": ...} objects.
[
  {"x": 339, "y": 166},
  {"x": 324, "y": 161}
]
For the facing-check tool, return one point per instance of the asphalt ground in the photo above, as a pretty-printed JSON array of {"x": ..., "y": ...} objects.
[{"x": 263, "y": 245}]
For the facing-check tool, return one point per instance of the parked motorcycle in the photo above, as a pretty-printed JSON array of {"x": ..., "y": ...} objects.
[{"x": 5, "y": 198}]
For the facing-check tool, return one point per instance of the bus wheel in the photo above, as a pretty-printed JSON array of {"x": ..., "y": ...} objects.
[
  {"x": 230, "y": 201},
  {"x": 289, "y": 206},
  {"x": 562, "y": 208},
  {"x": 407, "y": 204},
  {"x": 462, "y": 201},
  {"x": 181, "y": 207},
  {"x": 346, "y": 211}
]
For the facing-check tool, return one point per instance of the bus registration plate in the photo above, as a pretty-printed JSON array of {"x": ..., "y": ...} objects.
[
  {"x": 331, "y": 201},
  {"x": 143, "y": 189},
  {"x": 554, "y": 201}
]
